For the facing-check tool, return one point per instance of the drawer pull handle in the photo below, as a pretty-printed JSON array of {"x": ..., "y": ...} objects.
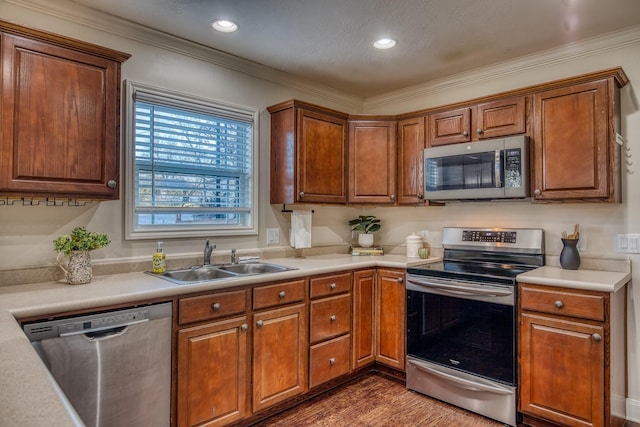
[
  {"x": 244, "y": 327},
  {"x": 333, "y": 286},
  {"x": 282, "y": 294},
  {"x": 332, "y": 318},
  {"x": 259, "y": 323},
  {"x": 216, "y": 306},
  {"x": 400, "y": 280},
  {"x": 596, "y": 337},
  {"x": 332, "y": 361},
  {"x": 558, "y": 304}
]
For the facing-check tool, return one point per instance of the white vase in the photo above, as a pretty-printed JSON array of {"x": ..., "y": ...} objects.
[{"x": 365, "y": 240}]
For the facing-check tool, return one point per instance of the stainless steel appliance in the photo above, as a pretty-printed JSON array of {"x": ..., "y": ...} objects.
[
  {"x": 113, "y": 367},
  {"x": 489, "y": 169},
  {"x": 461, "y": 319}
]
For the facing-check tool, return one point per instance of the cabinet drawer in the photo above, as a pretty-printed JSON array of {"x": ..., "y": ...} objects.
[
  {"x": 205, "y": 307},
  {"x": 330, "y": 317},
  {"x": 330, "y": 285},
  {"x": 564, "y": 302},
  {"x": 278, "y": 294},
  {"x": 329, "y": 360}
]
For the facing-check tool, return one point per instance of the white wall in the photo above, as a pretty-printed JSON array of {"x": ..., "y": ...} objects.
[{"x": 26, "y": 232}]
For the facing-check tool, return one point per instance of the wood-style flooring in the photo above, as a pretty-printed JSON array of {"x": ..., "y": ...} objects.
[{"x": 375, "y": 401}]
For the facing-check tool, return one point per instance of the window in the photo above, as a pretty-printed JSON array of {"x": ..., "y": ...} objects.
[{"x": 190, "y": 166}]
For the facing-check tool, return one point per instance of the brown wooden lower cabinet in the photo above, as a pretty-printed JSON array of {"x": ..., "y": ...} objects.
[
  {"x": 212, "y": 376},
  {"x": 363, "y": 318},
  {"x": 279, "y": 355},
  {"x": 390, "y": 318},
  {"x": 572, "y": 356}
]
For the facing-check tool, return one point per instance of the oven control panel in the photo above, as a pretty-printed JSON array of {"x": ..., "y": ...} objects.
[{"x": 490, "y": 236}]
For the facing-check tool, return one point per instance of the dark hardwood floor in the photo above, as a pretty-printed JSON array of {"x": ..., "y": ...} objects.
[{"x": 375, "y": 401}]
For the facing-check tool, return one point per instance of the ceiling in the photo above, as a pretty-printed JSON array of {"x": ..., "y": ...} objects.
[{"x": 330, "y": 41}]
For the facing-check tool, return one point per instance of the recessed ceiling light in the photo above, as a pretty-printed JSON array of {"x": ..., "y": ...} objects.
[
  {"x": 224, "y": 25},
  {"x": 384, "y": 43}
]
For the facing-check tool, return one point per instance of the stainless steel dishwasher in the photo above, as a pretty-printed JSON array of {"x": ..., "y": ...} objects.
[{"x": 114, "y": 367}]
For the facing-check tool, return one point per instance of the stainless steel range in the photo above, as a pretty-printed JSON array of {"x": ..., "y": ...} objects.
[{"x": 461, "y": 319}]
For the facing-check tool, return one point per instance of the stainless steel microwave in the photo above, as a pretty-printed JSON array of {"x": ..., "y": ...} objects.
[{"x": 489, "y": 169}]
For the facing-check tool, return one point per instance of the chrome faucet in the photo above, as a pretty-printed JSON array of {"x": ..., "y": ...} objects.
[
  {"x": 208, "y": 249},
  {"x": 234, "y": 259}
]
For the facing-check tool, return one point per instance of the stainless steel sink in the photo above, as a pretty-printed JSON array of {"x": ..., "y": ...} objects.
[
  {"x": 207, "y": 273},
  {"x": 254, "y": 268}
]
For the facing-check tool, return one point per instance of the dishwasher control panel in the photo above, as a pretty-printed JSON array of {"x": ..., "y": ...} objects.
[{"x": 94, "y": 322}]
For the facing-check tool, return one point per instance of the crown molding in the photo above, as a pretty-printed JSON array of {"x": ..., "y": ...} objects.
[
  {"x": 528, "y": 63},
  {"x": 91, "y": 18}
]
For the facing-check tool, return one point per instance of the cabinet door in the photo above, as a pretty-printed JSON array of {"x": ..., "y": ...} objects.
[
  {"x": 562, "y": 367},
  {"x": 279, "y": 355},
  {"x": 450, "y": 127},
  {"x": 321, "y": 158},
  {"x": 363, "y": 317},
  {"x": 213, "y": 373},
  {"x": 372, "y": 162},
  {"x": 390, "y": 318},
  {"x": 411, "y": 144},
  {"x": 60, "y": 121},
  {"x": 571, "y": 143},
  {"x": 501, "y": 118}
]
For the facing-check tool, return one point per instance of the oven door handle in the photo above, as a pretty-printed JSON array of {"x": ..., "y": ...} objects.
[
  {"x": 466, "y": 384},
  {"x": 460, "y": 290}
]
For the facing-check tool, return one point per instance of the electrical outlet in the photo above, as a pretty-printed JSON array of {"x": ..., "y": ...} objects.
[
  {"x": 582, "y": 242},
  {"x": 273, "y": 236}
]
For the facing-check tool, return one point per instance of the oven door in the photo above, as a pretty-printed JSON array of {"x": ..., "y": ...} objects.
[
  {"x": 465, "y": 326},
  {"x": 461, "y": 344}
]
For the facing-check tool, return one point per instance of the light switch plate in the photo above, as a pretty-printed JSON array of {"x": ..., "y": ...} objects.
[
  {"x": 628, "y": 243},
  {"x": 273, "y": 236}
]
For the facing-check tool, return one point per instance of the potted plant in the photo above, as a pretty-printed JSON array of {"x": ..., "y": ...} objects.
[
  {"x": 366, "y": 225},
  {"x": 77, "y": 246}
]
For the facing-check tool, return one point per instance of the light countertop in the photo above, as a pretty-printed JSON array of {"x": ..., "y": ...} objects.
[
  {"x": 592, "y": 280},
  {"x": 27, "y": 391}
]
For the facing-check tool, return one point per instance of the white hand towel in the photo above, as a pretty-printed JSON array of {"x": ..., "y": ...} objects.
[{"x": 300, "y": 235}]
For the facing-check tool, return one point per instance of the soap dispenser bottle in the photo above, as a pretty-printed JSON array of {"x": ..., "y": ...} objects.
[{"x": 159, "y": 260}]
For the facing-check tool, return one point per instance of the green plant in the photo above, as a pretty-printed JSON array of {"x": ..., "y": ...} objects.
[
  {"x": 80, "y": 240},
  {"x": 365, "y": 224}
]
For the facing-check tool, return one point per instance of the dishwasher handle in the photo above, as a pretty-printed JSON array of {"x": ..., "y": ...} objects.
[{"x": 104, "y": 330}]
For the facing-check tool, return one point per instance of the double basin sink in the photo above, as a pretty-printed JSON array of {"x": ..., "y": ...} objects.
[{"x": 206, "y": 273}]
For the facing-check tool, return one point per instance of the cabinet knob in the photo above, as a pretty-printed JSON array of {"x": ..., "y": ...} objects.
[
  {"x": 112, "y": 183},
  {"x": 301, "y": 194},
  {"x": 392, "y": 197},
  {"x": 216, "y": 306},
  {"x": 558, "y": 304},
  {"x": 332, "y": 318},
  {"x": 400, "y": 280},
  {"x": 244, "y": 327},
  {"x": 465, "y": 133},
  {"x": 537, "y": 192},
  {"x": 333, "y": 286},
  {"x": 282, "y": 294},
  {"x": 332, "y": 361},
  {"x": 479, "y": 131},
  {"x": 596, "y": 337},
  {"x": 259, "y": 323}
]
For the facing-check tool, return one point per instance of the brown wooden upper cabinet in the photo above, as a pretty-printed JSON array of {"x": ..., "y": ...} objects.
[
  {"x": 308, "y": 154},
  {"x": 60, "y": 116},
  {"x": 372, "y": 161},
  {"x": 411, "y": 144},
  {"x": 576, "y": 156},
  {"x": 471, "y": 123}
]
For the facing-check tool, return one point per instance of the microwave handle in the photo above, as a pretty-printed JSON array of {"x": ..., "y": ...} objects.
[{"x": 497, "y": 167}]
